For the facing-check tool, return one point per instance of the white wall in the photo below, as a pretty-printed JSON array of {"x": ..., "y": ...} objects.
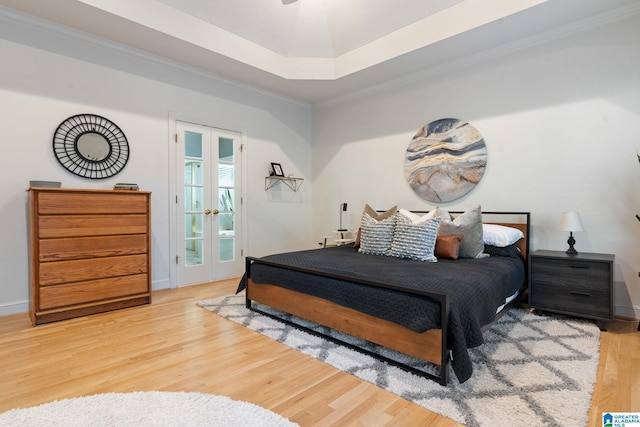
[
  {"x": 39, "y": 89},
  {"x": 561, "y": 121}
]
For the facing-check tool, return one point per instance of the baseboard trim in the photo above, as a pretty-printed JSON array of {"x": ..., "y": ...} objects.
[
  {"x": 627, "y": 312},
  {"x": 16, "y": 307}
]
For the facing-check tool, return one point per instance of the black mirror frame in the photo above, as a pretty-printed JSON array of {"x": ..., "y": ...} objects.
[{"x": 65, "y": 146}]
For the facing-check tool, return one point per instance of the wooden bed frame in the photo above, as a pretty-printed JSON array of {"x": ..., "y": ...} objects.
[{"x": 430, "y": 345}]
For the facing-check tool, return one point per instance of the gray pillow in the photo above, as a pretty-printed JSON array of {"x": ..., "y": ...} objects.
[
  {"x": 415, "y": 241},
  {"x": 469, "y": 224}
]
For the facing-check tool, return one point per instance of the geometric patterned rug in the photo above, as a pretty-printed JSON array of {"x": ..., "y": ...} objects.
[{"x": 532, "y": 370}]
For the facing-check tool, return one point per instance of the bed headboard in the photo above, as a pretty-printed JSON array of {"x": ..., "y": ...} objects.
[{"x": 519, "y": 220}]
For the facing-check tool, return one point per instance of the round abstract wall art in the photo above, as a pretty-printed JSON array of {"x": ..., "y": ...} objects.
[{"x": 445, "y": 160}]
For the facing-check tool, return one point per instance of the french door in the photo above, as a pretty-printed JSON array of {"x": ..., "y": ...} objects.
[{"x": 208, "y": 201}]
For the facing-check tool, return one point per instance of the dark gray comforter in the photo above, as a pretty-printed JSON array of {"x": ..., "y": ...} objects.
[{"x": 476, "y": 288}]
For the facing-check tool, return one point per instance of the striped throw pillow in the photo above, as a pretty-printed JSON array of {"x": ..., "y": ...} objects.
[
  {"x": 376, "y": 236},
  {"x": 415, "y": 241}
]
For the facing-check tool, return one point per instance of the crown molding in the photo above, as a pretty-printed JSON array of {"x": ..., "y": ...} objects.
[
  {"x": 59, "y": 39},
  {"x": 489, "y": 54}
]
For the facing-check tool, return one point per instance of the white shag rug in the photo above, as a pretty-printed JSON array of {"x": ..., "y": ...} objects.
[
  {"x": 145, "y": 409},
  {"x": 532, "y": 370}
]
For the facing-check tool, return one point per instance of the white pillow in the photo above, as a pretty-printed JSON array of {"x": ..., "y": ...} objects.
[
  {"x": 500, "y": 236},
  {"x": 417, "y": 219}
]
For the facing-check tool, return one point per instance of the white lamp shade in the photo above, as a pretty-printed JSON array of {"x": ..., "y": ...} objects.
[{"x": 570, "y": 221}]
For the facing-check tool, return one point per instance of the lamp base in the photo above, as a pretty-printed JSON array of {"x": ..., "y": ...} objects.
[{"x": 571, "y": 241}]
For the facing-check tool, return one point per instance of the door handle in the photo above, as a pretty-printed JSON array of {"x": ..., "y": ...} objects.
[
  {"x": 216, "y": 211},
  {"x": 207, "y": 211}
]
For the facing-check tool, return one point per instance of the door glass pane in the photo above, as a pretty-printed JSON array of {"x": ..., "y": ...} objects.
[
  {"x": 193, "y": 172},
  {"x": 226, "y": 224},
  {"x": 227, "y": 249},
  {"x": 226, "y": 176},
  {"x": 225, "y": 149},
  {"x": 192, "y": 144},
  {"x": 193, "y": 226},
  {"x": 226, "y": 199},
  {"x": 193, "y": 252},
  {"x": 193, "y": 198},
  {"x": 226, "y": 207}
]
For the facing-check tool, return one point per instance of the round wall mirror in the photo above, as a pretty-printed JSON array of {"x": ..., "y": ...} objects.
[
  {"x": 93, "y": 146},
  {"x": 90, "y": 146}
]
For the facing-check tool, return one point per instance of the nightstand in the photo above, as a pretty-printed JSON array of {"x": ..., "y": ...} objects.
[
  {"x": 341, "y": 237},
  {"x": 579, "y": 285}
]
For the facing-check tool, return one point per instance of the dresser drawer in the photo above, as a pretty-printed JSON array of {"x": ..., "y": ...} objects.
[
  {"x": 52, "y": 297},
  {"x": 91, "y": 247},
  {"x": 52, "y": 273},
  {"x": 583, "y": 299},
  {"x": 574, "y": 272},
  {"x": 53, "y": 226},
  {"x": 70, "y": 203}
]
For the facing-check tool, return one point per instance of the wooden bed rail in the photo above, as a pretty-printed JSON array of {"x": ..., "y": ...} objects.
[{"x": 430, "y": 345}]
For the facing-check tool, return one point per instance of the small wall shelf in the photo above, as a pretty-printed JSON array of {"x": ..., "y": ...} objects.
[{"x": 289, "y": 181}]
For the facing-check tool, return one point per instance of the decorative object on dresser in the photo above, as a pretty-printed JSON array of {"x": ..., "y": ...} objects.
[
  {"x": 90, "y": 146},
  {"x": 577, "y": 285},
  {"x": 52, "y": 184},
  {"x": 445, "y": 160},
  {"x": 90, "y": 251},
  {"x": 126, "y": 186},
  {"x": 570, "y": 221}
]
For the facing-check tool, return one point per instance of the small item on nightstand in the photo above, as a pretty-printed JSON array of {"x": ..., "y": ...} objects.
[{"x": 570, "y": 221}]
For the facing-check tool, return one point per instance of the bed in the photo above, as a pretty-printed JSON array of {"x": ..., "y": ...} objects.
[{"x": 432, "y": 311}]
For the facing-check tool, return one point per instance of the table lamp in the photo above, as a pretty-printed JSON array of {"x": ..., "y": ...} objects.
[
  {"x": 343, "y": 208},
  {"x": 570, "y": 221}
]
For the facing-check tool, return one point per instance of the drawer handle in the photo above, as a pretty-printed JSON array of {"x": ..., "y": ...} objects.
[
  {"x": 579, "y": 266},
  {"x": 582, "y": 294}
]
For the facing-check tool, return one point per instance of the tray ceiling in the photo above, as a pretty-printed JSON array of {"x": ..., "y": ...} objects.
[{"x": 316, "y": 50}]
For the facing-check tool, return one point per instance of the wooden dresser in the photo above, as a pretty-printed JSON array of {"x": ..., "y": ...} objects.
[{"x": 90, "y": 251}]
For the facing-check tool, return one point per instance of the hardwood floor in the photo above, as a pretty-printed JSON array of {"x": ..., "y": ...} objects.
[{"x": 174, "y": 345}]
